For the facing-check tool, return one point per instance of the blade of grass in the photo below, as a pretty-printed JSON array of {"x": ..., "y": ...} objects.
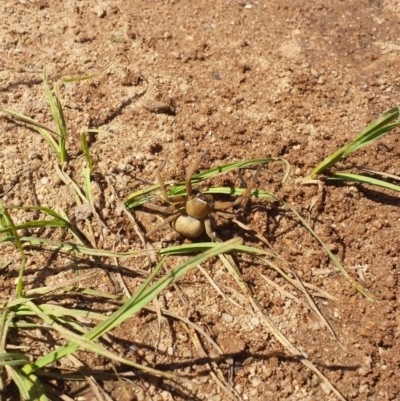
[
  {"x": 140, "y": 197},
  {"x": 68, "y": 247},
  {"x": 332, "y": 257},
  {"x": 58, "y": 116},
  {"x": 364, "y": 180},
  {"x": 42, "y": 129},
  {"x": 56, "y": 139},
  {"x": 256, "y": 193},
  {"x": 371, "y": 133},
  {"x": 5, "y": 217},
  {"x": 394, "y": 177},
  {"x": 132, "y": 307},
  {"x": 87, "y": 77},
  {"x": 234, "y": 271},
  {"x": 29, "y": 386}
]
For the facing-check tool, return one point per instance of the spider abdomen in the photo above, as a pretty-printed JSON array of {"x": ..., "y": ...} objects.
[{"x": 189, "y": 226}]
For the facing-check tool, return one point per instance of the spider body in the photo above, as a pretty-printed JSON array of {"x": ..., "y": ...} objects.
[
  {"x": 188, "y": 226},
  {"x": 191, "y": 215},
  {"x": 198, "y": 207}
]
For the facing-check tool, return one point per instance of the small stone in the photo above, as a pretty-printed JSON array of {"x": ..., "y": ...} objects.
[
  {"x": 57, "y": 180},
  {"x": 227, "y": 318},
  {"x": 156, "y": 106},
  {"x": 325, "y": 388},
  {"x": 100, "y": 11},
  {"x": 166, "y": 396},
  {"x": 377, "y": 224},
  {"x": 255, "y": 380},
  {"x": 239, "y": 388},
  {"x": 162, "y": 347},
  {"x": 363, "y": 371},
  {"x": 82, "y": 212}
]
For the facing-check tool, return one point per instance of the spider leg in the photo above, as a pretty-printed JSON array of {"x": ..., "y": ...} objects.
[
  {"x": 161, "y": 209},
  {"x": 242, "y": 200},
  {"x": 209, "y": 230},
  {"x": 191, "y": 171},
  {"x": 160, "y": 180},
  {"x": 246, "y": 195},
  {"x": 168, "y": 220}
]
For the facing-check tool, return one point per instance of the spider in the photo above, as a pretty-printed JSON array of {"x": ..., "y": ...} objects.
[{"x": 191, "y": 215}]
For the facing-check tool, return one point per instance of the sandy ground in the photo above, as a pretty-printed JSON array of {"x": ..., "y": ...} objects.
[{"x": 293, "y": 79}]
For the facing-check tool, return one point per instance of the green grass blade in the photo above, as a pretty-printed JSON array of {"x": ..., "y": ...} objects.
[
  {"x": 364, "y": 180},
  {"x": 215, "y": 171},
  {"x": 181, "y": 190},
  {"x": 16, "y": 240},
  {"x": 98, "y": 131},
  {"x": 372, "y": 132},
  {"x": 205, "y": 246},
  {"x": 140, "y": 197},
  {"x": 58, "y": 222},
  {"x": 45, "y": 210},
  {"x": 60, "y": 311},
  {"x": 29, "y": 386},
  {"x": 42, "y": 129},
  {"x": 69, "y": 247},
  {"x": 77, "y": 341},
  {"x": 58, "y": 117},
  {"x": 37, "y": 224},
  {"x": 85, "y": 150},
  {"x": 13, "y": 359},
  {"x": 133, "y": 305},
  {"x": 87, "y": 171}
]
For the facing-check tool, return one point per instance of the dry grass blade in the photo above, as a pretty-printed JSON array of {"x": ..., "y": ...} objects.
[
  {"x": 86, "y": 343},
  {"x": 100, "y": 394},
  {"x": 216, "y": 288},
  {"x": 282, "y": 291},
  {"x": 234, "y": 271},
  {"x": 97, "y": 74},
  {"x": 314, "y": 307},
  {"x": 213, "y": 367},
  {"x": 332, "y": 257},
  {"x": 140, "y": 299}
]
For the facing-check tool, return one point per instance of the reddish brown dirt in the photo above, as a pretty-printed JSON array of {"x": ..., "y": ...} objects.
[{"x": 294, "y": 79}]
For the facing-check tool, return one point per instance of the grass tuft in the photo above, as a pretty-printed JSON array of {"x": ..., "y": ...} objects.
[{"x": 379, "y": 127}]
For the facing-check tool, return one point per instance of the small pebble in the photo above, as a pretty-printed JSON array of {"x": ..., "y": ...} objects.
[
  {"x": 255, "y": 380},
  {"x": 377, "y": 224},
  {"x": 227, "y": 318},
  {"x": 325, "y": 388}
]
